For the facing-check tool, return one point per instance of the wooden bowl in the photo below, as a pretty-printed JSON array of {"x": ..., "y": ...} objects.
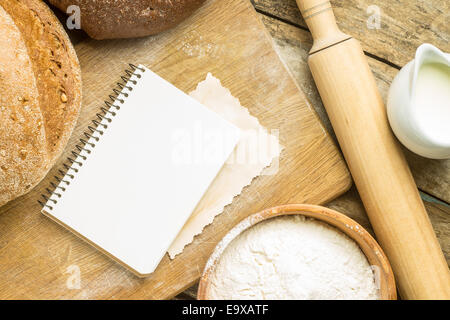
[{"x": 351, "y": 228}]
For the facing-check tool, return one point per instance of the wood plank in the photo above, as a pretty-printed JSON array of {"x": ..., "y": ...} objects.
[
  {"x": 293, "y": 44},
  {"x": 405, "y": 24},
  {"x": 432, "y": 175},
  {"x": 38, "y": 258},
  {"x": 188, "y": 294},
  {"x": 351, "y": 205}
]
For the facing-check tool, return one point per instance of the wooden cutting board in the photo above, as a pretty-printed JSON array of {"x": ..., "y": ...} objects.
[{"x": 39, "y": 259}]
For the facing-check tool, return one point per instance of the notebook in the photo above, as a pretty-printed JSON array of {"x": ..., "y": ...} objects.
[{"x": 140, "y": 169}]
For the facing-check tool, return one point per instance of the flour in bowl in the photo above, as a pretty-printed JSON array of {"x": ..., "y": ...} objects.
[{"x": 293, "y": 257}]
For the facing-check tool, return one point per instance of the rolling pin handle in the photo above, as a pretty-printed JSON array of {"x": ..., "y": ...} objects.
[{"x": 318, "y": 15}]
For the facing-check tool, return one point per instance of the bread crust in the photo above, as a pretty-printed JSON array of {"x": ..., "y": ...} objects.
[
  {"x": 109, "y": 19},
  {"x": 53, "y": 99}
]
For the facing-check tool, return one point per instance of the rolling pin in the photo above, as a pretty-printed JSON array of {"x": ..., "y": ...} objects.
[{"x": 375, "y": 159}]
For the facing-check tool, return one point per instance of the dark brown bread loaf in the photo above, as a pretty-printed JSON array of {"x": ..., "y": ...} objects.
[
  {"x": 108, "y": 19},
  {"x": 40, "y": 94}
]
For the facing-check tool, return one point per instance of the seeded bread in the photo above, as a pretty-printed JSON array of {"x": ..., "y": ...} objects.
[
  {"x": 108, "y": 19},
  {"x": 40, "y": 94}
]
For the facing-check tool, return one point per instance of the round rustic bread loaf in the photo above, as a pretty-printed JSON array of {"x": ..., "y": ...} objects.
[
  {"x": 40, "y": 94},
  {"x": 109, "y": 19}
]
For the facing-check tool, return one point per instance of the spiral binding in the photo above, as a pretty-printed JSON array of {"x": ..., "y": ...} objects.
[{"x": 107, "y": 112}]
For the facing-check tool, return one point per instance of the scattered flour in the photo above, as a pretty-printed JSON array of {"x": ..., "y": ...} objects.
[{"x": 293, "y": 257}]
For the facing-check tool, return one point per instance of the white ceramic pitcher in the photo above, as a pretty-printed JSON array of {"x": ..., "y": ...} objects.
[{"x": 402, "y": 106}]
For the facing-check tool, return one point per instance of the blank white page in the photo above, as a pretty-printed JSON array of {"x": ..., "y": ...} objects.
[{"x": 145, "y": 175}]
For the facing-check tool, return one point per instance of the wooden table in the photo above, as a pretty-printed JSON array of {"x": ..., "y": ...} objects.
[{"x": 404, "y": 25}]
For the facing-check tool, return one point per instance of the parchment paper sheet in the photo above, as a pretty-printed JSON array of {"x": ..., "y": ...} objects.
[{"x": 255, "y": 151}]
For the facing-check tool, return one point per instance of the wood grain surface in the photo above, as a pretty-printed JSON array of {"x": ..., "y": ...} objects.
[
  {"x": 404, "y": 24},
  {"x": 385, "y": 58},
  {"x": 293, "y": 41},
  {"x": 39, "y": 259},
  {"x": 373, "y": 154},
  {"x": 350, "y": 204},
  {"x": 293, "y": 44}
]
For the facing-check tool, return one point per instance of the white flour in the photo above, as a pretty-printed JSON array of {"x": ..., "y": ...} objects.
[{"x": 293, "y": 257}]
